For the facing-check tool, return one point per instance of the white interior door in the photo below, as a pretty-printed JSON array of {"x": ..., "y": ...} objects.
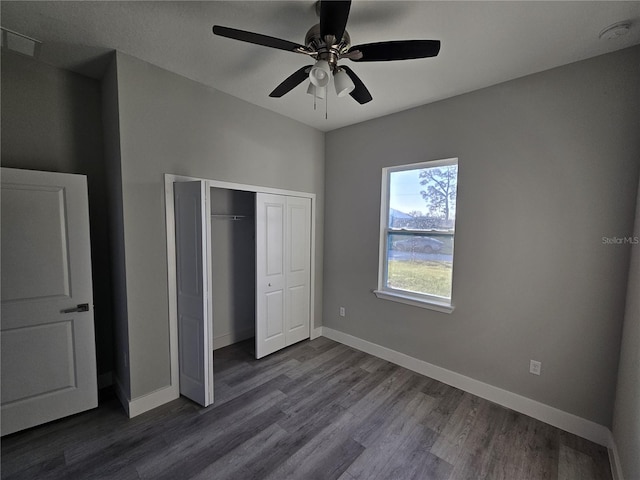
[
  {"x": 270, "y": 273},
  {"x": 283, "y": 259},
  {"x": 194, "y": 327},
  {"x": 47, "y": 330},
  {"x": 297, "y": 267}
]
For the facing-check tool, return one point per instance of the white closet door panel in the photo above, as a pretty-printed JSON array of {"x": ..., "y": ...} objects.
[
  {"x": 274, "y": 252},
  {"x": 195, "y": 358},
  {"x": 48, "y": 351},
  {"x": 274, "y": 303},
  {"x": 270, "y": 287},
  {"x": 298, "y": 314},
  {"x": 298, "y": 268}
]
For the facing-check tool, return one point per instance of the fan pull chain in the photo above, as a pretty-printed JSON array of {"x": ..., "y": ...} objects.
[{"x": 326, "y": 103}]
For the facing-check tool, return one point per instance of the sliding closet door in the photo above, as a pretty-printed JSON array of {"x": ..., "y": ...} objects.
[
  {"x": 270, "y": 273},
  {"x": 297, "y": 267},
  {"x": 194, "y": 327},
  {"x": 283, "y": 258}
]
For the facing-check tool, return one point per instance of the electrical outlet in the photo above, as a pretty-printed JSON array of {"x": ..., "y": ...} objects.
[
  {"x": 343, "y": 312},
  {"x": 535, "y": 367}
]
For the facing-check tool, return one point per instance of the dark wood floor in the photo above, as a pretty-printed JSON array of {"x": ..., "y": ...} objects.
[{"x": 317, "y": 410}]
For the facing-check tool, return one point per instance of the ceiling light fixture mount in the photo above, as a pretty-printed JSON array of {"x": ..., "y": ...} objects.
[{"x": 614, "y": 31}]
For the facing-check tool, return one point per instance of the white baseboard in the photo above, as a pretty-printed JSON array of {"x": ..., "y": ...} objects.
[
  {"x": 558, "y": 418},
  {"x": 140, "y": 405},
  {"x": 152, "y": 400},
  {"x": 233, "y": 337},
  {"x": 316, "y": 332},
  {"x": 614, "y": 459}
]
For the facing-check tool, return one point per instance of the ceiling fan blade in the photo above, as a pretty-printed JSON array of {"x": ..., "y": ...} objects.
[
  {"x": 257, "y": 38},
  {"x": 333, "y": 18},
  {"x": 291, "y": 82},
  {"x": 360, "y": 94},
  {"x": 396, "y": 50}
]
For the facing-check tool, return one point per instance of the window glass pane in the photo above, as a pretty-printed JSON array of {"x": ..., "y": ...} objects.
[
  {"x": 420, "y": 263},
  {"x": 420, "y": 228},
  {"x": 423, "y": 198}
]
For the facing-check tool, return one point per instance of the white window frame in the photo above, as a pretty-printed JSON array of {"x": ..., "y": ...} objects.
[{"x": 432, "y": 302}]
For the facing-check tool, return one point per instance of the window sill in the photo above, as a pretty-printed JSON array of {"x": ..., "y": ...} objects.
[{"x": 414, "y": 301}]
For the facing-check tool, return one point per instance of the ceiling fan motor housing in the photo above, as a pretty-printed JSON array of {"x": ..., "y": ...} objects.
[{"x": 331, "y": 53}]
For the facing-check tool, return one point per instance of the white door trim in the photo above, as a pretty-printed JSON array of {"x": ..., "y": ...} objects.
[{"x": 169, "y": 179}]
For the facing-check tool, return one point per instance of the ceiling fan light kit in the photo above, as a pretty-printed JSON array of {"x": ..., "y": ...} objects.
[
  {"x": 317, "y": 92},
  {"x": 327, "y": 43},
  {"x": 344, "y": 85},
  {"x": 320, "y": 74}
]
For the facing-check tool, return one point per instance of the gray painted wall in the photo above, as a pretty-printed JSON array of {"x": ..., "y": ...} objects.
[
  {"x": 233, "y": 260},
  {"x": 626, "y": 416},
  {"x": 169, "y": 124},
  {"x": 51, "y": 121},
  {"x": 113, "y": 179},
  {"x": 548, "y": 165}
]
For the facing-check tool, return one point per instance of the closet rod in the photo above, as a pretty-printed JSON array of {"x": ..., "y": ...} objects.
[{"x": 228, "y": 216}]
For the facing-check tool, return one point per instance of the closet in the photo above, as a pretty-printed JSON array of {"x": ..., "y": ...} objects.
[
  {"x": 243, "y": 269},
  {"x": 233, "y": 266}
]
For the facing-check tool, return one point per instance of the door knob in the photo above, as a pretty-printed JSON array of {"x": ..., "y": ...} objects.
[{"x": 83, "y": 307}]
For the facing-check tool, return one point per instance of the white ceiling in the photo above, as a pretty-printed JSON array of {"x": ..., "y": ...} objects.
[{"x": 483, "y": 43}]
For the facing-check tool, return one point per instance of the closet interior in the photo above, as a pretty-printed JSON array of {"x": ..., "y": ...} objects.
[{"x": 233, "y": 265}]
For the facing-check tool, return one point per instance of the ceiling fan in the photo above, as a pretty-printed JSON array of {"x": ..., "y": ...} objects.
[{"x": 328, "y": 42}]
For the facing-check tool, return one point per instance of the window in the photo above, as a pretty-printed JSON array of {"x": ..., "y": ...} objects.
[{"x": 417, "y": 229}]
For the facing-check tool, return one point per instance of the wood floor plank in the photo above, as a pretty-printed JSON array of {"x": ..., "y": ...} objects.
[
  {"x": 37, "y": 469},
  {"x": 367, "y": 384},
  {"x": 386, "y": 388},
  {"x": 316, "y": 379},
  {"x": 447, "y": 400},
  {"x": 524, "y": 448},
  {"x": 259, "y": 377},
  {"x": 315, "y": 410},
  {"x": 374, "y": 363},
  {"x": 326, "y": 455},
  {"x": 299, "y": 434},
  {"x": 413, "y": 460},
  {"x": 474, "y": 460},
  {"x": 388, "y": 439},
  {"x": 322, "y": 360},
  {"x": 185, "y": 442},
  {"x": 543, "y": 451},
  {"x": 597, "y": 452},
  {"x": 325, "y": 393},
  {"x": 232, "y": 465},
  {"x": 220, "y": 414},
  {"x": 115, "y": 461},
  {"x": 403, "y": 404},
  {"x": 456, "y": 431},
  {"x": 573, "y": 464},
  {"x": 203, "y": 453}
]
